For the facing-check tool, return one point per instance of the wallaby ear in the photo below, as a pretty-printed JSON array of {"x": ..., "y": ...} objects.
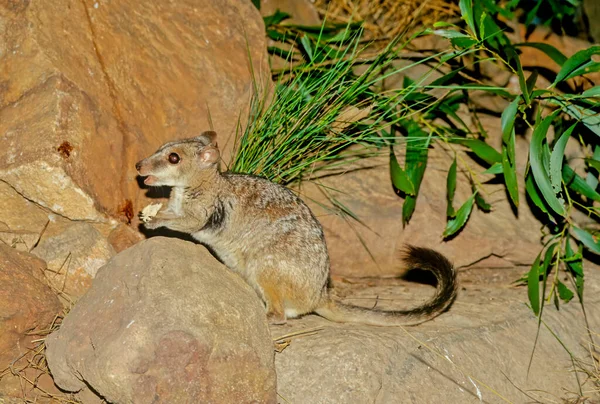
[
  {"x": 210, "y": 136},
  {"x": 209, "y": 155}
]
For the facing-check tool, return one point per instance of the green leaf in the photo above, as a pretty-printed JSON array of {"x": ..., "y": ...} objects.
[
  {"x": 462, "y": 215},
  {"x": 509, "y": 168},
  {"x": 307, "y": 46},
  {"x": 593, "y": 163},
  {"x": 556, "y": 160},
  {"x": 466, "y": 10},
  {"x": 549, "y": 50},
  {"x": 575, "y": 62},
  {"x": 399, "y": 177},
  {"x": 495, "y": 169},
  {"x": 575, "y": 265},
  {"x": 587, "y": 240},
  {"x": 533, "y": 285},
  {"x": 481, "y": 149},
  {"x": 578, "y": 184},
  {"x": 479, "y": 200},
  {"x": 531, "y": 80},
  {"x": 564, "y": 292},
  {"x": 450, "y": 189},
  {"x": 256, "y": 4},
  {"x": 449, "y": 33},
  {"x": 275, "y": 18},
  {"x": 533, "y": 193},
  {"x": 593, "y": 168},
  {"x": 588, "y": 117},
  {"x": 540, "y": 175},
  {"x": 416, "y": 163},
  {"x": 591, "y": 92},
  {"x": 514, "y": 57},
  {"x": 590, "y": 67},
  {"x": 463, "y": 43},
  {"x": 507, "y": 121}
]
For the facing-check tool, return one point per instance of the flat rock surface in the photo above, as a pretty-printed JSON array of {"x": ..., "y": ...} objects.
[{"x": 477, "y": 352}]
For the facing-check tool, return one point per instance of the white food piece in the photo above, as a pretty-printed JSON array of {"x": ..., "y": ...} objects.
[{"x": 150, "y": 211}]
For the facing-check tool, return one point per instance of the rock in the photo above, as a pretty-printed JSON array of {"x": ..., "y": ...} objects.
[
  {"x": 302, "y": 12},
  {"x": 123, "y": 237},
  {"x": 165, "y": 322},
  {"x": 485, "y": 339},
  {"x": 27, "y": 309},
  {"x": 86, "y": 93},
  {"x": 21, "y": 222},
  {"x": 73, "y": 251}
]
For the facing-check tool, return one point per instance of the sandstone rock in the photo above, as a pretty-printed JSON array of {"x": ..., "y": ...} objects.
[
  {"x": 21, "y": 222},
  {"x": 86, "y": 93},
  {"x": 27, "y": 309},
  {"x": 123, "y": 237},
  {"x": 302, "y": 12},
  {"x": 482, "y": 343},
  {"x": 73, "y": 251},
  {"x": 164, "y": 322}
]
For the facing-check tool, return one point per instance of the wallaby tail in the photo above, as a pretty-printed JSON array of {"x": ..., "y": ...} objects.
[{"x": 413, "y": 257}]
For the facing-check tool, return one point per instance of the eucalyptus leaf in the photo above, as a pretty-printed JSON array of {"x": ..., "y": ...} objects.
[
  {"x": 481, "y": 149},
  {"x": 495, "y": 169},
  {"x": 556, "y": 160},
  {"x": 540, "y": 175},
  {"x": 586, "y": 239},
  {"x": 533, "y": 285},
  {"x": 549, "y": 50},
  {"x": 564, "y": 292},
  {"x": 576, "y": 61},
  {"x": 578, "y": 184},
  {"x": 510, "y": 169},
  {"x": 450, "y": 189},
  {"x": 462, "y": 215},
  {"x": 400, "y": 179},
  {"x": 507, "y": 120},
  {"x": 466, "y": 10}
]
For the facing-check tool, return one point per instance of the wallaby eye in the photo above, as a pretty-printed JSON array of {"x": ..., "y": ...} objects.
[{"x": 174, "y": 158}]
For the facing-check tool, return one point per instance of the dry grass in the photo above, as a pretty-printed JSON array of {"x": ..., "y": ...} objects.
[
  {"x": 386, "y": 19},
  {"x": 31, "y": 370}
]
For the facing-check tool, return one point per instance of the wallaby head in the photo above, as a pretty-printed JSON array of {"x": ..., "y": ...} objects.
[{"x": 178, "y": 163}]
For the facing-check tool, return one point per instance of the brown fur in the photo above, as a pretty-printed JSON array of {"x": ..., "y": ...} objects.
[{"x": 268, "y": 235}]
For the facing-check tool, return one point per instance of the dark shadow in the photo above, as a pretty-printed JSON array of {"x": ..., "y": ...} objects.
[{"x": 420, "y": 276}]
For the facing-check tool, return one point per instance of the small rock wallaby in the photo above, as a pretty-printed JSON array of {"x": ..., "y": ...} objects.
[{"x": 266, "y": 234}]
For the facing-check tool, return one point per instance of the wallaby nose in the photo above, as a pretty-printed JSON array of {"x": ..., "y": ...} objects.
[{"x": 138, "y": 165}]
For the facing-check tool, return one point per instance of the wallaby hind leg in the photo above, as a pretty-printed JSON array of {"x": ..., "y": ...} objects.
[{"x": 273, "y": 299}]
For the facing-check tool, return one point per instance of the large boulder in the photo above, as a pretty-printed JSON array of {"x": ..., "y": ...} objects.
[
  {"x": 27, "y": 309},
  {"x": 165, "y": 322}
]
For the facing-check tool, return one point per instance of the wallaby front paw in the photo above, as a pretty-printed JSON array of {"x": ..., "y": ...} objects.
[{"x": 149, "y": 212}]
